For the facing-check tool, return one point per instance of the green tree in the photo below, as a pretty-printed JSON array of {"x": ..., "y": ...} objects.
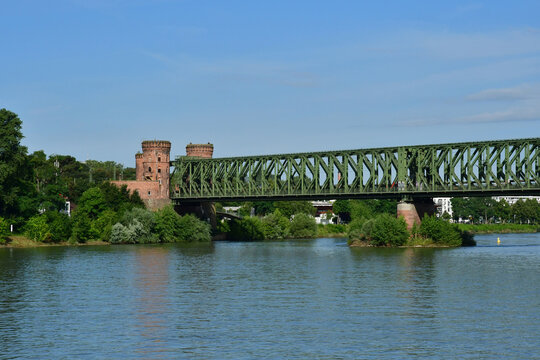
[
  {"x": 276, "y": 226},
  {"x": 303, "y": 226},
  {"x": 82, "y": 228},
  {"x": 16, "y": 189},
  {"x": 246, "y": 229},
  {"x": 92, "y": 203},
  {"x": 172, "y": 227},
  {"x": 4, "y": 230},
  {"x": 192, "y": 229},
  {"x": 38, "y": 229},
  {"x": 263, "y": 207},
  {"x": 389, "y": 230},
  {"x": 290, "y": 208},
  {"x": 440, "y": 231},
  {"x": 502, "y": 210},
  {"x": 60, "y": 226}
]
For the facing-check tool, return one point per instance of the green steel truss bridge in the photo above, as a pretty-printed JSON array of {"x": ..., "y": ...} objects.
[{"x": 488, "y": 168}]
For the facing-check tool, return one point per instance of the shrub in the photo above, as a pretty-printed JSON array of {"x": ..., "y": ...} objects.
[
  {"x": 140, "y": 223},
  {"x": 303, "y": 226},
  {"x": 167, "y": 224},
  {"x": 82, "y": 228},
  {"x": 355, "y": 229},
  {"x": 4, "y": 230},
  {"x": 248, "y": 228},
  {"x": 130, "y": 234},
  {"x": 102, "y": 226},
  {"x": 192, "y": 229},
  {"x": 389, "y": 230},
  {"x": 275, "y": 226},
  {"x": 37, "y": 229},
  {"x": 331, "y": 230},
  {"x": 440, "y": 231},
  {"x": 60, "y": 226},
  {"x": 171, "y": 227}
]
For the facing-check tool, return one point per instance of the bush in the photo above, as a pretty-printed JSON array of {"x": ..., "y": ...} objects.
[
  {"x": 275, "y": 226},
  {"x": 141, "y": 225},
  {"x": 37, "y": 229},
  {"x": 171, "y": 227},
  {"x": 4, "y": 231},
  {"x": 102, "y": 226},
  {"x": 60, "y": 226},
  {"x": 303, "y": 226},
  {"x": 440, "y": 231},
  {"x": 355, "y": 229},
  {"x": 167, "y": 223},
  {"x": 130, "y": 234},
  {"x": 389, "y": 230},
  {"x": 192, "y": 229},
  {"x": 383, "y": 230},
  {"x": 246, "y": 229},
  {"x": 331, "y": 230},
  {"x": 82, "y": 228}
]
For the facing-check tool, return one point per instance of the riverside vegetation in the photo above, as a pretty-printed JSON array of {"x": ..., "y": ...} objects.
[{"x": 34, "y": 189}]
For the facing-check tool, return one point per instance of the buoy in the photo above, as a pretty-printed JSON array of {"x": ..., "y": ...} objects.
[{"x": 498, "y": 241}]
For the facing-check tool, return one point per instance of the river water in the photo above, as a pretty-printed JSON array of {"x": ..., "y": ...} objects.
[{"x": 312, "y": 299}]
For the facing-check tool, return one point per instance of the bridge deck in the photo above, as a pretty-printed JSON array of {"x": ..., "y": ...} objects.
[{"x": 504, "y": 167}]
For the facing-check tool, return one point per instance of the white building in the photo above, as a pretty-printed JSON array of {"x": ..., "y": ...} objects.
[
  {"x": 511, "y": 200},
  {"x": 444, "y": 205}
]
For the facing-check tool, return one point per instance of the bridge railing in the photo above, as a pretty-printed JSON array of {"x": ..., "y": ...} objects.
[{"x": 461, "y": 169}]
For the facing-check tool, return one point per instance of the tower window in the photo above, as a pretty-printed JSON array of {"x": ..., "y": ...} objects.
[
  {"x": 149, "y": 193},
  {"x": 158, "y": 159},
  {"x": 149, "y": 169},
  {"x": 159, "y": 171}
]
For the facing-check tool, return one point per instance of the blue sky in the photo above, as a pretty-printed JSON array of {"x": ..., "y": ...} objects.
[{"x": 93, "y": 78}]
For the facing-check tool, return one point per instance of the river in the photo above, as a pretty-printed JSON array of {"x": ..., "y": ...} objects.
[{"x": 312, "y": 299}]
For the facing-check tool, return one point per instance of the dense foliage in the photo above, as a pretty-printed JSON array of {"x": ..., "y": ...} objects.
[
  {"x": 349, "y": 210},
  {"x": 487, "y": 210},
  {"x": 382, "y": 230},
  {"x": 303, "y": 226}
]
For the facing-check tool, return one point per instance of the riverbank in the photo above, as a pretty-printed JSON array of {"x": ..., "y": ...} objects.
[
  {"x": 21, "y": 241},
  {"x": 499, "y": 228}
]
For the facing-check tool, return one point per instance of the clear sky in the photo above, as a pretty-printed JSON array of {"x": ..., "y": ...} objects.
[{"x": 93, "y": 78}]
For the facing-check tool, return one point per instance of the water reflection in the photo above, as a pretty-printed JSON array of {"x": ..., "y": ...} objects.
[{"x": 152, "y": 278}]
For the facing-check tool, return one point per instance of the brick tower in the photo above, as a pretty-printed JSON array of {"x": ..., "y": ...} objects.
[
  {"x": 151, "y": 174},
  {"x": 204, "y": 151}
]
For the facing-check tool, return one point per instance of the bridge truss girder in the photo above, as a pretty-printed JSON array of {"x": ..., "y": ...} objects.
[{"x": 489, "y": 168}]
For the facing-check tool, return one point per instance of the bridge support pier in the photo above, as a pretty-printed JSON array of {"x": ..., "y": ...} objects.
[
  {"x": 413, "y": 211},
  {"x": 203, "y": 210}
]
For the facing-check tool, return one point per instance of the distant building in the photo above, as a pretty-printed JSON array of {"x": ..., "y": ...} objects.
[
  {"x": 324, "y": 208},
  {"x": 444, "y": 205},
  {"x": 511, "y": 200}
]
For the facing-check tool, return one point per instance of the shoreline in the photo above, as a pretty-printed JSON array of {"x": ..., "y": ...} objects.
[{"x": 22, "y": 242}]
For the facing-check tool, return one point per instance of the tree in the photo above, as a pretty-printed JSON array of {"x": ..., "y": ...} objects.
[
  {"x": 92, "y": 203},
  {"x": 303, "y": 226},
  {"x": 290, "y": 208},
  {"x": 276, "y": 226},
  {"x": 502, "y": 210},
  {"x": 15, "y": 171}
]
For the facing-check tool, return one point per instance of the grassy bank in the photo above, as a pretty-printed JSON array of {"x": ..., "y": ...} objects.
[
  {"x": 498, "y": 228},
  {"x": 20, "y": 241}
]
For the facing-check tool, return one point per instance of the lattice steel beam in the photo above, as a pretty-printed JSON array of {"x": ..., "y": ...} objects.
[{"x": 486, "y": 168}]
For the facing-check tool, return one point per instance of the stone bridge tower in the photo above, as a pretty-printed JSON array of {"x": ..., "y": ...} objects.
[{"x": 151, "y": 174}]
